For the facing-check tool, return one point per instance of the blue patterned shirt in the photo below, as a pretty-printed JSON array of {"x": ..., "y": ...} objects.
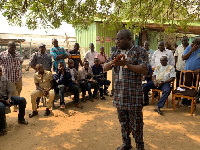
[
  {"x": 55, "y": 51},
  {"x": 128, "y": 90}
]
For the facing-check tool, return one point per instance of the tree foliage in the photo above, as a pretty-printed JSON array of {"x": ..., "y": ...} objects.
[{"x": 134, "y": 14}]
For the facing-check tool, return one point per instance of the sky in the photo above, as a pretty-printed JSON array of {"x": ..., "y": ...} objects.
[{"x": 65, "y": 28}]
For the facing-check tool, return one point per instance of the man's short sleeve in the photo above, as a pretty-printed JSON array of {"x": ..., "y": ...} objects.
[
  {"x": 50, "y": 76},
  {"x": 155, "y": 73},
  {"x": 176, "y": 52},
  {"x": 86, "y": 55},
  {"x": 36, "y": 79},
  {"x": 143, "y": 58},
  {"x": 172, "y": 73},
  {"x": 187, "y": 50},
  {"x": 53, "y": 53},
  {"x": 33, "y": 60},
  {"x": 1, "y": 60},
  {"x": 64, "y": 51}
]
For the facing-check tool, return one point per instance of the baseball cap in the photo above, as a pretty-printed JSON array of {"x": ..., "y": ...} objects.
[{"x": 41, "y": 44}]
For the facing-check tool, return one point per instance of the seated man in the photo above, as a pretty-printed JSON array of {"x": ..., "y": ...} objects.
[
  {"x": 63, "y": 83},
  {"x": 44, "y": 83},
  {"x": 86, "y": 81},
  {"x": 73, "y": 71},
  {"x": 6, "y": 99},
  {"x": 99, "y": 78},
  {"x": 162, "y": 77}
]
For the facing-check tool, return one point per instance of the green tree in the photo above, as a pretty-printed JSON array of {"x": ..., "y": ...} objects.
[{"x": 132, "y": 14}]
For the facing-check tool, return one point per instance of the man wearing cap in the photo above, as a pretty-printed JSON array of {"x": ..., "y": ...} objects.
[{"x": 41, "y": 57}]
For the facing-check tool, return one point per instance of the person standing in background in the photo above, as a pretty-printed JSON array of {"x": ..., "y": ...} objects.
[
  {"x": 59, "y": 54},
  {"x": 11, "y": 63},
  {"x": 41, "y": 57},
  {"x": 179, "y": 62},
  {"x": 90, "y": 55},
  {"x": 76, "y": 56},
  {"x": 103, "y": 57},
  {"x": 162, "y": 51}
]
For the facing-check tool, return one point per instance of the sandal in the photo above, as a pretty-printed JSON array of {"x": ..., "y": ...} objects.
[
  {"x": 78, "y": 106},
  {"x": 62, "y": 106}
]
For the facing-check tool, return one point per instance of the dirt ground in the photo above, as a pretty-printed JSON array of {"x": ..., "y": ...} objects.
[{"x": 96, "y": 127}]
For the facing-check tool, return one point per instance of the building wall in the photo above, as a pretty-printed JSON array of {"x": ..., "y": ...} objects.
[
  {"x": 95, "y": 31},
  {"x": 85, "y": 37},
  {"x": 104, "y": 34}
]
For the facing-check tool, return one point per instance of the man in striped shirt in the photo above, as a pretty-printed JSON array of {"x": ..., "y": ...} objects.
[
  {"x": 11, "y": 63},
  {"x": 76, "y": 56}
]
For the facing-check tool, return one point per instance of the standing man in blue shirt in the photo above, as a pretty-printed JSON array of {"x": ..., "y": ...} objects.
[
  {"x": 192, "y": 57},
  {"x": 58, "y": 54}
]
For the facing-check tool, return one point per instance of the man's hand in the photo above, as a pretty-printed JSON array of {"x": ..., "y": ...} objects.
[
  {"x": 194, "y": 47},
  {"x": 118, "y": 62},
  {"x": 76, "y": 82},
  {"x": 7, "y": 102},
  {"x": 160, "y": 83},
  {"x": 155, "y": 83},
  {"x": 45, "y": 92},
  {"x": 197, "y": 71}
]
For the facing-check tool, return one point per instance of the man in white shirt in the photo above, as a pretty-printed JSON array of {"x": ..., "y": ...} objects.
[
  {"x": 90, "y": 55},
  {"x": 179, "y": 62},
  {"x": 162, "y": 51},
  {"x": 149, "y": 51},
  {"x": 162, "y": 77}
]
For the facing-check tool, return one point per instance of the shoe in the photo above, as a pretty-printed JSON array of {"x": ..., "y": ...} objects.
[
  {"x": 47, "y": 112},
  {"x": 158, "y": 111},
  {"x": 124, "y": 147},
  {"x": 145, "y": 103},
  {"x": 111, "y": 95},
  {"x": 62, "y": 106},
  {"x": 23, "y": 122},
  {"x": 83, "y": 100},
  {"x": 189, "y": 106},
  {"x": 90, "y": 99},
  {"x": 102, "y": 98},
  {"x": 34, "y": 113},
  {"x": 95, "y": 97},
  {"x": 106, "y": 94},
  {"x": 3, "y": 132}
]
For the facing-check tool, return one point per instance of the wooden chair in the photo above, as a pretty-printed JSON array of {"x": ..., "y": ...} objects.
[
  {"x": 160, "y": 91},
  {"x": 189, "y": 81}
]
